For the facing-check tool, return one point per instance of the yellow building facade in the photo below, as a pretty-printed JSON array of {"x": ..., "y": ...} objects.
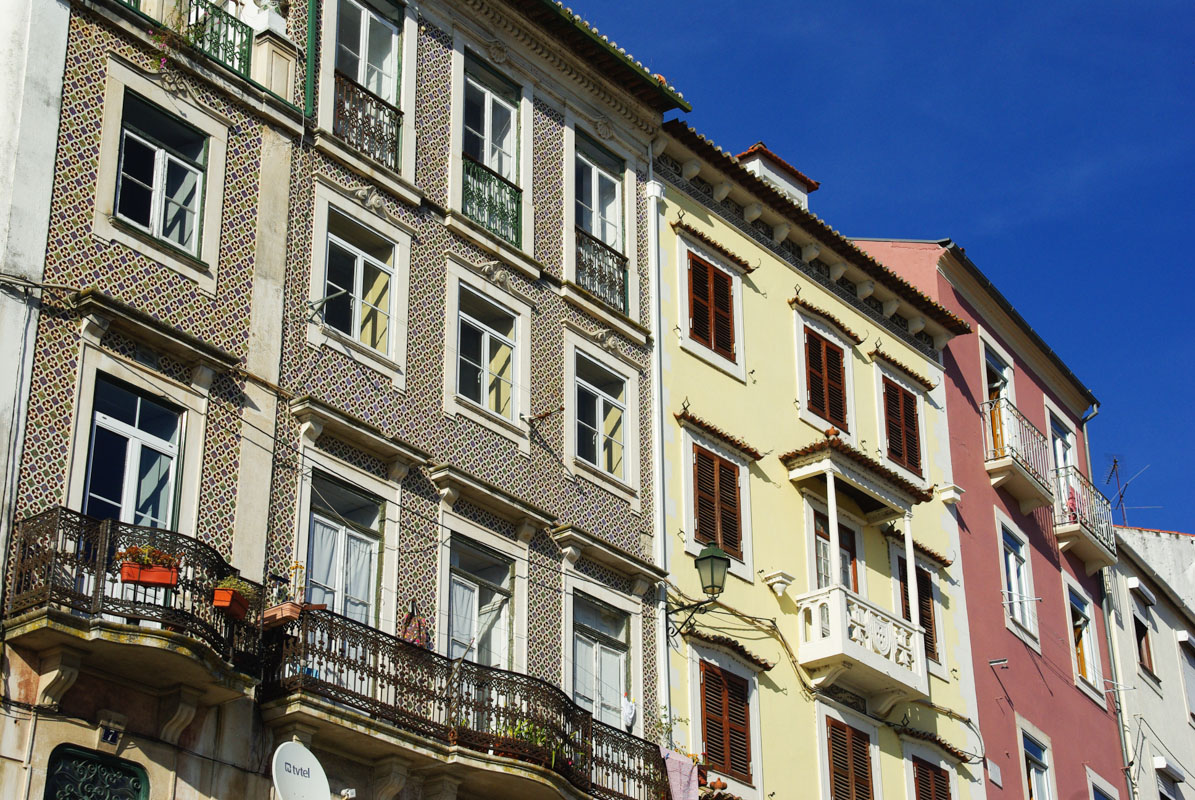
[{"x": 803, "y": 431}]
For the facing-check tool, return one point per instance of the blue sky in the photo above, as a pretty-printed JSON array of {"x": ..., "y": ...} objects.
[{"x": 1054, "y": 141}]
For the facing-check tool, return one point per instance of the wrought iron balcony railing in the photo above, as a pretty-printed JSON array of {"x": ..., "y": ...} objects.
[
  {"x": 366, "y": 121},
  {"x": 67, "y": 561},
  {"x": 601, "y": 270},
  {"x": 492, "y": 201},
  {"x": 1078, "y": 502},
  {"x": 458, "y": 702},
  {"x": 1008, "y": 434},
  {"x": 219, "y": 35}
]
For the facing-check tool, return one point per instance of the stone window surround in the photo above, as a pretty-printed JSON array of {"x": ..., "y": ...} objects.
[
  {"x": 628, "y": 486},
  {"x": 883, "y": 371},
  {"x": 744, "y": 569},
  {"x": 834, "y": 337},
  {"x": 728, "y": 662},
  {"x": 516, "y": 550},
  {"x": 461, "y": 272},
  {"x": 1096, "y": 781},
  {"x": 1031, "y": 637},
  {"x": 736, "y": 369},
  {"x": 988, "y": 342},
  {"x": 203, "y": 268},
  {"x": 1094, "y": 691},
  {"x": 827, "y": 710},
  {"x": 1023, "y": 727},
  {"x": 391, "y": 492},
  {"x": 846, "y": 520},
  {"x": 330, "y": 195},
  {"x": 914, "y": 748},
  {"x": 937, "y": 668}
]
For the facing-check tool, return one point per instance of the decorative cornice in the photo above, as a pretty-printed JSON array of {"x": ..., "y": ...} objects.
[
  {"x": 708, "y": 241},
  {"x": 828, "y": 317},
  {"x": 835, "y": 444},
  {"x": 908, "y": 371},
  {"x": 734, "y": 645},
  {"x": 734, "y": 442}
]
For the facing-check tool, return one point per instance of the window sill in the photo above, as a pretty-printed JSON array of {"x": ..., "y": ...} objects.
[
  {"x": 516, "y": 259},
  {"x": 1089, "y": 689},
  {"x": 732, "y": 368},
  {"x": 457, "y": 407},
  {"x": 367, "y": 168},
  {"x": 616, "y": 486},
  {"x": 822, "y": 425},
  {"x": 113, "y": 229},
  {"x": 1150, "y": 679},
  {"x": 937, "y": 669},
  {"x": 1021, "y": 632},
  {"x": 319, "y": 335},
  {"x": 915, "y": 478},
  {"x": 616, "y": 320}
]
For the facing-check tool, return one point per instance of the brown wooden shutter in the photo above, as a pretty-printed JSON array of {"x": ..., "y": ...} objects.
[
  {"x": 850, "y": 761},
  {"x": 738, "y": 726},
  {"x": 894, "y": 422},
  {"x": 713, "y": 716},
  {"x": 722, "y": 290},
  {"x": 902, "y": 568},
  {"x": 815, "y": 372},
  {"x": 925, "y": 601},
  {"x": 930, "y": 782},
  {"x": 705, "y": 492},
  {"x": 699, "y": 301},
  {"x": 730, "y": 531},
  {"x": 911, "y": 433},
  {"x": 835, "y": 386}
]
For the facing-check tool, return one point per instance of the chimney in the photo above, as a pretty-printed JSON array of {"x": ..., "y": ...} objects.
[{"x": 786, "y": 178}]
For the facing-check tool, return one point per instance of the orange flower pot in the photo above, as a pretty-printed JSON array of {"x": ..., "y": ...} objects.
[
  {"x": 132, "y": 572},
  {"x": 235, "y": 604}
]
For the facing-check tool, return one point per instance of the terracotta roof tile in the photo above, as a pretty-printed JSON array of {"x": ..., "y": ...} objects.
[
  {"x": 722, "y": 249},
  {"x": 731, "y": 644},
  {"x": 826, "y": 315},
  {"x": 863, "y": 460},
  {"x": 923, "y": 550},
  {"x": 909, "y": 371},
  {"x": 761, "y": 148},
  {"x": 935, "y": 739},
  {"x": 815, "y": 225},
  {"x": 728, "y": 439}
]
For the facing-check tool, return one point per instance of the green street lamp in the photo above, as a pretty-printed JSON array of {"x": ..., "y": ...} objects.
[{"x": 712, "y": 564}]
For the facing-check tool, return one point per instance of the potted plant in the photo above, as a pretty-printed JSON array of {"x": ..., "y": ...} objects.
[
  {"x": 148, "y": 566},
  {"x": 234, "y": 594},
  {"x": 525, "y": 732},
  {"x": 287, "y": 599}
]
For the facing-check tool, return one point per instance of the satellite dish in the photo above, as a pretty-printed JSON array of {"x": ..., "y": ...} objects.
[{"x": 298, "y": 774}]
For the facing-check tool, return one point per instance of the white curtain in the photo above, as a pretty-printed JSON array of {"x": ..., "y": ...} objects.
[
  {"x": 491, "y": 629},
  {"x": 611, "y": 665},
  {"x": 358, "y": 575},
  {"x": 321, "y": 562},
  {"x": 462, "y": 617},
  {"x": 583, "y": 676}
]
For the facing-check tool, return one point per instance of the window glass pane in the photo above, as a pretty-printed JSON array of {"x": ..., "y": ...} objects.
[
  {"x": 491, "y": 627},
  {"x": 462, "y": 617},
  {"x": 584, "y": 678},
  {"x": 338, "y": 308},
  {"x": 105, "y": 476},
  {"x": 166, "y": 129},
  {"x": 153, "y": 489},
  {"x": 469, "y": 371},
  {"x": 1189, "y": 677},
  {"x": 157, "y": 420},
  {"x": 321, "y": 562},
  {"x": 608, "y": 208},
  {"x": 601, "y": 618},
  {"x": 501, "y": 367},
  {"x": 345, "y": 504},
  {"x": 348, "y": 39},
  {"x": 601, "y": 378},
  {"x": 488, "y": 314},
  {"x": 113, "y": 400},
  {"x": 380, "y": 67},
  {"x": 612, "y": 444},
  {"x": 481, "y": 565},
  {"x": 134, "y": 192},
  {"x": 584, "y": 192},
  {"x": 587, "y": 443},
  {"x": 611, "y": 665},
  {"x": 474, "y": 121},
  {"x": 823, "y": 563},
  {"x": 501, "y": 139},
  {"x": 375, "y": 288}
]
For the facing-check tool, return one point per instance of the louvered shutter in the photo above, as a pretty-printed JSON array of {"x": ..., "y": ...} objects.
[
  {"x": 730, "y": 527},
  {"x": 912, "y": 436},
  {"x": 713, "y": 717},
  {"x": 925, "y": 599},
  {"x": 860, "y": 764},
  {"x": 738, "y": 727},
  {"x": 835, "y": 386},
  {"x": 941, "y": 784},
  {"x": 850, "y": 761},
  {"x": 930, "y": 782},
  {"x": 903, "y": 577},
  {"x": 894, "y": 422},
  {"x": 722, "y": 289},
  {"x": 815, "y": 372},
  {"x": 705, "y": 492},
  {"x": 699, "y": 301}
]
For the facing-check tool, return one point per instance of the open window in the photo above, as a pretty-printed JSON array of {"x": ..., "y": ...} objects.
[
  {"x": 358, "y": 298},
  {"x": 342, "y": 548},
  {"x": 490, "y": 193},
  {"x": 1020, "y": 604},
  {"x": 480, "y": 601},
  {"x": 486, "y": 354},
  {"x": 601, "y": 266},
  {"x": 601, "y": 663}
]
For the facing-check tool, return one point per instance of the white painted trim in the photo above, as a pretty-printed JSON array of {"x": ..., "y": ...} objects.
[
  {"x": 1096, "y": 781},
  {"x": 744, "y": 569},
  {"x": 736, "y": 369},
  {"x": 1024, "y": 726},
  {"x": 732, "y": 664},
  {"x": 831, "y": 334},
  {"x": 896, "y": 552},
  {"x": 914, "y": 748},
  {"x": 1093, "y": 689},
  {"x": 1138, "y": 587},
  {"x": 883, "y": 371},
  {"x": 516, "y": 552},
  {"x": 827, "y": 711},
  {"x": 845, "y": 520},
  {"x": 988, "y": 342},
  {"x": 1028, "y": 635}
]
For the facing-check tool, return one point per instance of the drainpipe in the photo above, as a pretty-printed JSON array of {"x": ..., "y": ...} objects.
[
  {"x": 1122, "y": 726},
  {"x": 1095, "y": 409},
  {"x": 655, "y": 192},
  {"x": 309, "y": 78}
]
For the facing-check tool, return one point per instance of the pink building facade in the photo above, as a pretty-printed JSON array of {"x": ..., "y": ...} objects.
[{"x": 1034, "y": 536}]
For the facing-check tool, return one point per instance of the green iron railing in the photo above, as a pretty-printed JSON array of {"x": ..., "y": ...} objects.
[
  {"x": 601, "y": 270},
  {"x": 492, "y": 201},
  {"x": 219, "y": 35}
]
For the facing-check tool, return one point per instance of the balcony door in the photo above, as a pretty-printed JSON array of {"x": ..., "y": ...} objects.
[
  {"x": 1065, "y": 492},
  {"x": 367, "y": 49},
  {"x": 996, "y": 389},
  {"x": 849, "y": 576}
]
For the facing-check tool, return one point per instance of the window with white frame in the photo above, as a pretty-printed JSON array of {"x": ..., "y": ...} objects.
[
  {"x": 480, "y": 601},
  {"x": 601, "y": 409},
  {"x": 367, "y": 49},
  {"x": 358, "y": 299},
  {"x": 1018, "y": 585},
  {"x": 1082, "y": 636},
  {"x": 601, "y": 665},
  {"x": 160, "y": 182},
  {"x": 342, "y": 548},
  {"x": 489, "y": 193},
  {"x": 486, "y": 373},
  {"x": 1037, "y": 768},
  {"x": 598, "y": 189},
  {"x": 134, "y": 450},
  {"x": 848, "y": 558}
]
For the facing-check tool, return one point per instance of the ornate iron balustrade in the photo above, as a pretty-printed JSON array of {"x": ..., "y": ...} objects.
[
  {"x": 492, "y": 201},
  {"x": 1077, "y": 501},
  {"x": 485, "y": 709},
  {"x": 366, "y": 121},
  {"x": 1007, "y": 433},
  {"x": 219, "y": 35},
  {"x": 61, "y": 559},
  {"x": 601, "y": 270}
]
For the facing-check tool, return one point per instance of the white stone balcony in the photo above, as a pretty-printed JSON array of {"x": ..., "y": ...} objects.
[{"x": 846, "y": 640}]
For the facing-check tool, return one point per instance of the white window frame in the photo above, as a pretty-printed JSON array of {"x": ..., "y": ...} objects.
[
  {"x": 387, "y": 600},
  {"x": 1096, "y": 782},
  {"x": 1092, "y": 687},
  {"x": 628, "y": 486},
  {"x": 1029, "y": 633},
  {"x": 461, "y": 273},
  {"x": 745, "y": 568},
  {"x": 332, "y": 196},
  {"x": 737, "y": 368},
  {"x": 163, "y": 158},
  {"x": 832, "y": 335},
  {"x": 203, "y": 265},
  {"x": 829, "y": 710},
  {"x": 988, "y": 342},
  {"x": 458, "y": 575},
  {"x": 918, "y": 394},
  {"x": 192, "y": 400},
  {"x": 368, "y": 13},
  {"x": 1026, "y": 728},
  {"x": 491, "y": 99},
  {"x": 344, "y": 533},
  {"x": 914, "y": 748},
  {"x": 724, "y": 660},
  {"x": 845, "y": 520},
  {"x": 895, "y": 554},
  {"x": 575, "y": 581},
  {"x": 489, "y": 336},
  {"x": 472, "y": 533}
]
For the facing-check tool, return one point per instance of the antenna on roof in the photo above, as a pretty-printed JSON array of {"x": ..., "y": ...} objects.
[{"x": 1114, "y": 472}]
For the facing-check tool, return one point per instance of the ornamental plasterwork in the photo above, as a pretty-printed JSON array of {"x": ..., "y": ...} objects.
[
  {"x": 501, "y": 22},
  {"x": 602, "y": 127},
  {"x": 496, "y": 274},
  {"x": 496, "y": 51},
  {"x": 606, "y": 339},
  {"x": 371, "y": 199},
  {"x": 174, "y": 83}
]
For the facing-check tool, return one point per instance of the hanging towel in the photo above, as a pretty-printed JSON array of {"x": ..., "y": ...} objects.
[{"x": 682, "y": 774}]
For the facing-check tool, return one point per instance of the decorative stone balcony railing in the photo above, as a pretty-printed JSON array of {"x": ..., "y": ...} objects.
[
  {"x": 492, "y": 201},
  {"x": 1083, "y": 519},
  {"x": 456, "y": 702},
  {"x": 64, "y": 561},
  {"x": 845, "y": 639},
  {"x": 1016, "y": 454},
  {"x": 366, "y": 121},
  {"x": 601, "y": 271}
]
